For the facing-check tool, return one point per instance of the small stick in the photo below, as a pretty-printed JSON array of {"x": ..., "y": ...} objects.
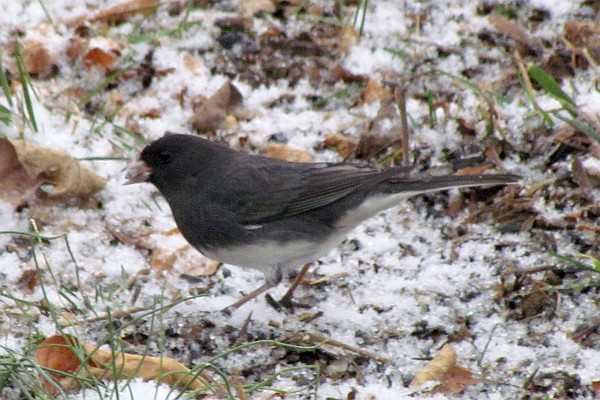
[
  {"x": 400, "y": 95},
  {"x": 319, "y": 339}
]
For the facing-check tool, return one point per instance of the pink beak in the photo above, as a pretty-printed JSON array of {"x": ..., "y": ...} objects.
[{"x": 137, "y": 172}]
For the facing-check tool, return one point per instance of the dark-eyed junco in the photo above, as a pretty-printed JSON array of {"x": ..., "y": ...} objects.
[{"x": 269, "y": 214}]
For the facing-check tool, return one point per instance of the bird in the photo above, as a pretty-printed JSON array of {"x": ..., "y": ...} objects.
[{"x": 274, "y": 215}]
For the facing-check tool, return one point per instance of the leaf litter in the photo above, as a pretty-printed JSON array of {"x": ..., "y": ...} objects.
[{"x": 410, "y": 277}]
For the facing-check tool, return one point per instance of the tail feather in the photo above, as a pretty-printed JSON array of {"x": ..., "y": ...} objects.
[
  {"x": 391, "y": 191},
  {"x": 432, "y": 183}
]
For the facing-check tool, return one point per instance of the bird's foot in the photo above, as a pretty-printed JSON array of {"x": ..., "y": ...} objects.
[{"x": 285, "y": 302}]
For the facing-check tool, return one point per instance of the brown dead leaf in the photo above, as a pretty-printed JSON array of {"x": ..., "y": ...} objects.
[
  {"x": 56, "y": 355},
  {"x": 453, "y": 378},
  {"x": 584, "y": 36},
  {"x": 348, "y": 39},
  {"x": 374, "y": 91},
  {"x": 582, "y": 176},
  {"x": 16, "y": 184},
  {"x": 75, "y": 48},
  {"x": 592, "y": 169},
  {"x": 172, "y": 253},
  {"x": 211, "y": 114},
  {"x": 474, "y": 169},
  {"x": 24, "y": 167},
  {"x": 587, "y": 334},
  {"x": 98, "y": 58},
  {"x": 371, "y": 144},
  {"x": 339, "y": 72},
  {"x": 64, "y": 356},
  {"x": 117, "y": 14},
  {"x": 39, "y": 61},
  {"x": 538, "y": 302},
  {"x": 125, "y": 11},
  {"x": 514, "y": 31},
  {"x": 283, "y": 152},
  {"x": 252, "y": 7},
  {"x": 329, "y": 344},
  {"x": 344, "y": 145},
  {"x": 28, "y": 281},
  {"x": 596, "y": 387}
]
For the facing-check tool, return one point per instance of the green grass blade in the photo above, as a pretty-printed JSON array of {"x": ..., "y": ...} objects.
[
  {"x": 5, "y": 115},
  {"x": 26, "y": 84},
  {"x": 4, "y": 83},
  {"x": 574, "y": 262},
  {"x": 552, "y": 87}
]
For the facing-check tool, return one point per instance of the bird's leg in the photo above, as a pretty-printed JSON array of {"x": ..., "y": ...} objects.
[
  {"x": 272, "y": 280},
  {"x": 286, "y": 300}
]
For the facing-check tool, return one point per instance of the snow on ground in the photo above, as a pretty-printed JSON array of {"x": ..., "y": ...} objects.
[{"x": 414, "y": 276}]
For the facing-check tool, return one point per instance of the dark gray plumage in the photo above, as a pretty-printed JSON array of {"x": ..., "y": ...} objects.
[{"x": 269, "y": 214}]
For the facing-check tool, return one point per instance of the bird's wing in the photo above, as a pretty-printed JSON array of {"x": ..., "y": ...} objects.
[{"x": 291, "y": 191}]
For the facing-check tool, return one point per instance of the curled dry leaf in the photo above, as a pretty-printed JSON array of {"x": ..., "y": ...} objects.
[
  {"x": 442, "y": 368},
  {"x": 69, "y": 363},
  {"x": 57, "y": 355},
  {"x": 283, "y": 152},
  {"x": 24, "y": 167},
  {"x": 211, "y": 114}
]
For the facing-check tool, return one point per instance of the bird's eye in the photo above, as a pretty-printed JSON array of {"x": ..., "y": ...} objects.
[{"x": 163, "y": 156}]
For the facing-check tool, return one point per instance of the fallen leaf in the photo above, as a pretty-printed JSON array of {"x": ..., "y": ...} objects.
[
  {"x": 339, "y": 72},
  {"x": 15, "y": 183},
  {"x": 98, "y": 58},
  {"x": 372, "y": 144},
  {"x": 514, "y": 31},
  {"x": 56, "y": 355},
  {"x": 374, "y": 91},
  {"x": 39, "y": 61},
  {"x": 587, "y": 334},
  {"x": 474, "y": 169},
  {"x": 442, "y": 368},
  {"x": 69, "y": 364},
  {"x": 344, "y": 145},
  {"x": 24, "y": 167},
  {"x": 596, "y": 387},
  {"x": 172, "y": 253},
  {"x": 283, "y": 152},
  {"x": 538, "y": 302},
  {"x": 75, "y": 48},
  {"x": 251, "y": 7},
  {"x": 584, "y": 36},
  {"x": 211, "y": 114},
  {"x": 582, "y": 176},
  {"x": 348, "y": 39},
  {"x": 28, "y": 281},
  {"x": 118, "y": 13},
  {"x": 330, "y": 345}
]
